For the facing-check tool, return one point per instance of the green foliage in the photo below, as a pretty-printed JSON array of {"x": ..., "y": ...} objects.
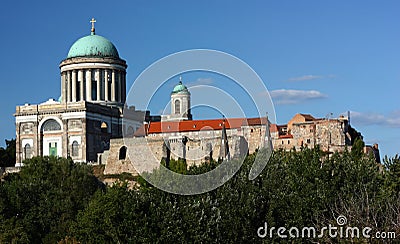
[
  {"x": 302, "y": 189},
  {"x": 177, "y": 166},
  {"x": 124, "y": 176},
  {"x": 7, "y": 155},
  {"x": 200, "y": 169},
  {"x": 40, "y": 203},
  {"x": 295, "y": 189},
  {"x": 104, "y": 221},
  {"x": 357, "y": 150},
  {"x": 392, "y": 173}
]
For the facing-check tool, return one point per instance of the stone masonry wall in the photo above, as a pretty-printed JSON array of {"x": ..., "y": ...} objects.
[{"x": 148, "y": 152}]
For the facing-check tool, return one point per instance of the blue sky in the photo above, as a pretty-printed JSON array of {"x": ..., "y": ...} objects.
[{"x": 316, "y": 57}]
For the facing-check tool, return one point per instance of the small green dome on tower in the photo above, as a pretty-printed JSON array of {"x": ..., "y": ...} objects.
[{"x": 180, "y": 88}]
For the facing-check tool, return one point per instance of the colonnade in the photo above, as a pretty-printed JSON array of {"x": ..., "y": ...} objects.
[{"x": 94, "y": 85}]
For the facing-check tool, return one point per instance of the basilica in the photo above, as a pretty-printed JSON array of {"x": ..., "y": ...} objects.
[
  {"x": 91, "y": 123},
  {"x": 89, "y": 111},
  {"x": 90, "y": 118}
]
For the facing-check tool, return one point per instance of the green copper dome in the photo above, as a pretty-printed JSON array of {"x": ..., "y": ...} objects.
[
  {"x": 180, "y": 88},
  {"x": 93, "y": 46}
]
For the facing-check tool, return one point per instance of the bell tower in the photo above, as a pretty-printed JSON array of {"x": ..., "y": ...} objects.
[{"x": 180, "y": 103}]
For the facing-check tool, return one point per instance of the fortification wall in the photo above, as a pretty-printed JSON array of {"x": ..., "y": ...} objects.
[{"x": 146, "y": 153}]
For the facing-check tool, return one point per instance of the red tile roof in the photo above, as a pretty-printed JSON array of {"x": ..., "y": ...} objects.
[
  {"x": 197, "y": 125},
  {"x": 256, "y": 121},
  {"x": 308, "y": 117},
  {"x": 273, "y": 128},
  {"x": 285, "y": 136}
]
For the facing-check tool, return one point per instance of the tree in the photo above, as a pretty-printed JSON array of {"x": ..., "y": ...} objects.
[
  {"x": 299, "y": 189},
  {"x": 296, "y": 188},
  {"x": 8, "y": 154},
  {"x": 43, "y": 199},
  {"x": 177, "y": 166},
  {"x": 357, "y": 150}
]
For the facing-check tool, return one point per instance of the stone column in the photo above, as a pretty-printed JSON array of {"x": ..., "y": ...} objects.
[
  {"x": 119, "y": 86},
  {"x": 73, "y": 86},
  {"x": 97, "y": 77},
  {"x": 37, "y": 145},
  {"x": 80, "y": 77},
  {"x": 123, "y": 98},
  {"x": 84, "y": 141},
  {"x": 64, "y": 87},
  {"x": 113, "y": 85},
  {"x": 88, "y": 85},
  {"x": 106, "y": 85},
  {"x": 64, "y": 142},
  {"x": 18, "y": 147},
  {"x": 68, "y": 86},
  {"x": 101, "y": 76}
]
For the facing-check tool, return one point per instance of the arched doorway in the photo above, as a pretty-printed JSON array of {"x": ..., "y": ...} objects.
[
  {"x": 122, "y": 153},
  {"x": 51, "y": 138}
]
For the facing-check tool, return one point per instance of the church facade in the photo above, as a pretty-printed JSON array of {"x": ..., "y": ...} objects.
[{"x": 89, "y": 111}]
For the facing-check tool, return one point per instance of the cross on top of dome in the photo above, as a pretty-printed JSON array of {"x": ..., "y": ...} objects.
[{"x": 93, "y": 30}]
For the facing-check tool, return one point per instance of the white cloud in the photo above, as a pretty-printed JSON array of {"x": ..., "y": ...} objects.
[
  {"x": 284, "y": 96},
  {"x": 371, "y": 118},
  {"x": 200, "y": 81},
  {"x": 309, "y": 77}
]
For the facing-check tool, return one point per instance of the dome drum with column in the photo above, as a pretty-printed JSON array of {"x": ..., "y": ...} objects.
[{"x": 93, "y": 72}]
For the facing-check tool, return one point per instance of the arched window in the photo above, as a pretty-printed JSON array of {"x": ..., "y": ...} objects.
[
  {"x": 51, "y": 125},
  {"x": 27, "y": 151},
  {"x": 122, "y": 153},
  {"x": 177, "y": 107},
  {"x": 75, "y": 149}
]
